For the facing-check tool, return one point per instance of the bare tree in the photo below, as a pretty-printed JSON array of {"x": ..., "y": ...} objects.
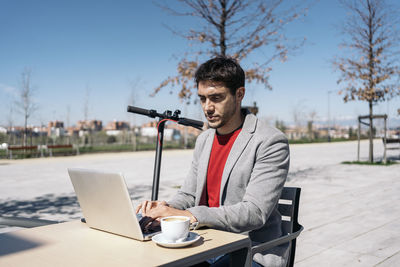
[
  {"x": 135, "y": 87},
  {"x": 87, "y": 137},
  {"x": 280, "y": 124},
  {"x": 10, "y": 125},
  {"x": 132, "y": 100},
  {"x": 298, "y": 115},
  {"x": 86, "y": 104},
  {"x": 237, "y": 29},
  {"x": 25, "y": 103},
  {"x": 369, "y": 69},
  {"x": 312, "y": 116},
  {"x": 68, "y": 115}
]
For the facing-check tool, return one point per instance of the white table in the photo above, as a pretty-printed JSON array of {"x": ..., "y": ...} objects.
[{"x": 75, "y": 244}]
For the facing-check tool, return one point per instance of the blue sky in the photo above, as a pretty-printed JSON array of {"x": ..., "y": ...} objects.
[{"x": 102, "y": 47}]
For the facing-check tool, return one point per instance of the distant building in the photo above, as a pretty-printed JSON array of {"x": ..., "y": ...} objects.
[
  {"x": 56, "y": 128},
  {"x": 115, "y": 127},
  {"x": 295, "y": 133},
  {"x": 84, "y": 127},
  {"x": 94, "y": 125},
  {"x": 41, "y": 130},
  {"x": 73, "y": 131},
  {"x": 172, "y": 131},
  {"x": 335, "y": 131},
  {"x": 393, "y": 133},
  {"x": 19, "y": 131},
  {"x": 190, "y": 131},
  {"x": 56, "y": 124},
  {"x": 149, "y": 129}
]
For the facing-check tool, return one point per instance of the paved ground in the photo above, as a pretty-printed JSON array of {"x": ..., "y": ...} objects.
[{"x": 350, "y": 213}]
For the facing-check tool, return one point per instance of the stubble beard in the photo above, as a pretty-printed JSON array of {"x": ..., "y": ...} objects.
[{"x": 224, "y": 119}]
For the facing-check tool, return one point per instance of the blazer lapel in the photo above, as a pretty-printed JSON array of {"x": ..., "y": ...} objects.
[
  {"x": 203, "y": 166},
  {"x": 237, "y": 149}
]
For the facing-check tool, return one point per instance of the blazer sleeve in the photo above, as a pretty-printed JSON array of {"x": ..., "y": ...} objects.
[{"x": 262, "y": 192}]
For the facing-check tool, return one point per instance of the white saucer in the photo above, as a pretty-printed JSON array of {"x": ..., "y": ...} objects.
[{"x": 192, "y": 237}]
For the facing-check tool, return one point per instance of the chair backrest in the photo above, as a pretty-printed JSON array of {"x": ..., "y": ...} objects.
[{"x": 288, "y": 206}]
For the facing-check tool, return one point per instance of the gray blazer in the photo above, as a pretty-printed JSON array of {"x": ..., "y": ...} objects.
[{"x": 252, "y": 181}]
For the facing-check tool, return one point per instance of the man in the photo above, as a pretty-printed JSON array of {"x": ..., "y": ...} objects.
[{"x": 239, "y": 166}]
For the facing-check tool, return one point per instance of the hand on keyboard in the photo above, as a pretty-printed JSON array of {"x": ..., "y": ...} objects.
[{"x": 149, "y": 225}]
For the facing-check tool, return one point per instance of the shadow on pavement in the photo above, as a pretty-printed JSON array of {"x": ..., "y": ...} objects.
[
  {"x": 59, "y": 207},
  {"x": 47, "y": 204}
]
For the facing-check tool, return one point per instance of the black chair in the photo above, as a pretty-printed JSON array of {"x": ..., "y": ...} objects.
[
  {"x": 24, "y": 222},
  {"x": 289, "y": 208}
]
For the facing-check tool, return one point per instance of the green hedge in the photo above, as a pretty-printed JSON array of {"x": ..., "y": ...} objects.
[
  {"x": 376, "y": 163},
  {"x": 319, "y": 140},
  {"x": 21, "y": 154}
]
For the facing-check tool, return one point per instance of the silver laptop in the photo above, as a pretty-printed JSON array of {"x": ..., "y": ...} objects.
[{"x": 106, "y": 204}]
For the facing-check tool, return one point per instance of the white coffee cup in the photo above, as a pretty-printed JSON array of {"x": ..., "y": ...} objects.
[{"x": 175, "y": 228}]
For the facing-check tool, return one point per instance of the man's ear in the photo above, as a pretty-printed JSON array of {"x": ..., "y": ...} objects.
[{"x": 240, "y": 93}]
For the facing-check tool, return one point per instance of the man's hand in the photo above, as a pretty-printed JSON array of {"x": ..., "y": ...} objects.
[
  {"x": 147, "y": 205},
  {"x": 161, "y": 211},
  {"x": 153, "y": 210}
]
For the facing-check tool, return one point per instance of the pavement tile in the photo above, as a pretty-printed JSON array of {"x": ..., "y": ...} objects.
[
  {"x": 393, "y": 260},
  {"x": 381, "y": 242},
  {"x": 334, "y": 233},
  {"x": 339, "y": 258},
  {"x": 307, "y": 249}
]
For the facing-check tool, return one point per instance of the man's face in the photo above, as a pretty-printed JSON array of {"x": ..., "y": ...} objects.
[{"x": 218, "y": 104}]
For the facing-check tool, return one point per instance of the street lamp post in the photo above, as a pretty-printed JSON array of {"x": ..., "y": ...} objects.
[{"x": 329, "y": 116}]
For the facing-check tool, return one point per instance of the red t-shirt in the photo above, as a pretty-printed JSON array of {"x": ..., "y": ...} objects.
[{"x": 219, "y": 154}]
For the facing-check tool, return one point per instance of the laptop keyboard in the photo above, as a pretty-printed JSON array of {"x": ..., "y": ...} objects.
[{"x": 147, "y": 230}]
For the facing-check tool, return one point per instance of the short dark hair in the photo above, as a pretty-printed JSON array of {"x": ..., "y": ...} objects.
[{"x": 221, "y": 69}]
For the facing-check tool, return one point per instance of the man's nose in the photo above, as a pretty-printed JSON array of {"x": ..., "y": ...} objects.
[{"x": 209, "y": 106}]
